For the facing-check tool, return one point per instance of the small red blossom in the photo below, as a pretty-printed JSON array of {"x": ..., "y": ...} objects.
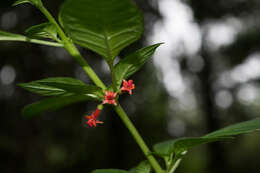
[
  {"x": 110, "y": 98},
  {"x": 92, "y": 119},
  {"x": 128, "y": 86}
]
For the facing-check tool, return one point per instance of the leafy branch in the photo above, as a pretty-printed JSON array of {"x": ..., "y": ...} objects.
[{"x": 103, "y": 27}]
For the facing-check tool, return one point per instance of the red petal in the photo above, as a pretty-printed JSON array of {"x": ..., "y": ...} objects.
[
  {"x": 89, "y": 124},
  {"x": 130, "y": 82},
  {"x": 96, "y": 113},
  {"x": 114, "y": 102},
  {"x": 99, "y": 122},
  {"x": 105, "y": 101}
]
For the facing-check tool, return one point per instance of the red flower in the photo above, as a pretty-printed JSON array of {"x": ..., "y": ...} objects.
[
  {"x": 128, "y": 86},
  {"x": 92, "y": 119},
  {"x": 110, "y": 98}
]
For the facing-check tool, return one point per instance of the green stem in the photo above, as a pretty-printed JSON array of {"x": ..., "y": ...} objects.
[
  {"x": 138, "y": 138},
  {"x": 111, "y": 66},
  {"x": 51, "y": 19},
  {"x": 174, "y": 163},
  {"x": 36, "y": 41},
  {"x": 174, "y": 166},
  {"x": 168, "y": 161},
  {"x": 43, "y": 42},
  {"x": 71, "y": 48},
  {"x": 73, "y": 51}
]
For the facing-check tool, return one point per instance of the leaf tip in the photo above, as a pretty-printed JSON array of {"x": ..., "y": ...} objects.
[
  {"x": 20, "y": 2},
  {"x": 159, "y": 44},
  {"x": 29, "y": 112},
  {"x": 25, "y": 114},
  {"x": 19, "y": 84},
  {"x": 33, "y": 2},
  {"x": 155, "y": 46}
]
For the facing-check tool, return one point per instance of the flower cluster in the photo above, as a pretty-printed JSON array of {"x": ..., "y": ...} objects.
[
  {"x": 109, "y": 98},
  {"x": 128, "y": 86},
  {"x": 92, "y": 119}
]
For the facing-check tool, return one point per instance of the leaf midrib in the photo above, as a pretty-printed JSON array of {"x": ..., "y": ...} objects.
[{"x": 108, "y": 51}]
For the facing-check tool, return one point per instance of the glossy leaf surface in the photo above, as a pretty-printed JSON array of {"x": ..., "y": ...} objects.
[
  {"x": 132, "y": 63},
  {"x": 236, "y": 129},
  {"x": 105, "y": 27},
  {"x": 180, "y": 145},
  {"x": 44, "y": 30},
  {"x": 62, "y": 86}
]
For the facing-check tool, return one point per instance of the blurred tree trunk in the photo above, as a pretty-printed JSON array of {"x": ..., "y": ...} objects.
[{"x": 216, "y": 162}]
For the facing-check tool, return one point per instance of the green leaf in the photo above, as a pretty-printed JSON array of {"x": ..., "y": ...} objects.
[
  {"x": 44, "y": 30},
  {"x": 103, "y": 26},
  {"x": 6, "y": 36},
  {"x": 165, "y": 149},
  {"x": 21, "y": 2},
  {"x": 237, "y": 129},
  {"x": 51, "y": 104},
  {"x": 178, "y": 146},
  {"x": 132, "y": 63},
  {"x": 34, "y": 2},
  {"x": 62, "y": 86},
  {"x": 109, "y": 171},
  {"x": 43, "y": 90},
  {"x": 143, "y": 167}
]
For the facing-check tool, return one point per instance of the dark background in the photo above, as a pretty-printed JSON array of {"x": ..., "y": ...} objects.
[{"x": 221, "y": 88}]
